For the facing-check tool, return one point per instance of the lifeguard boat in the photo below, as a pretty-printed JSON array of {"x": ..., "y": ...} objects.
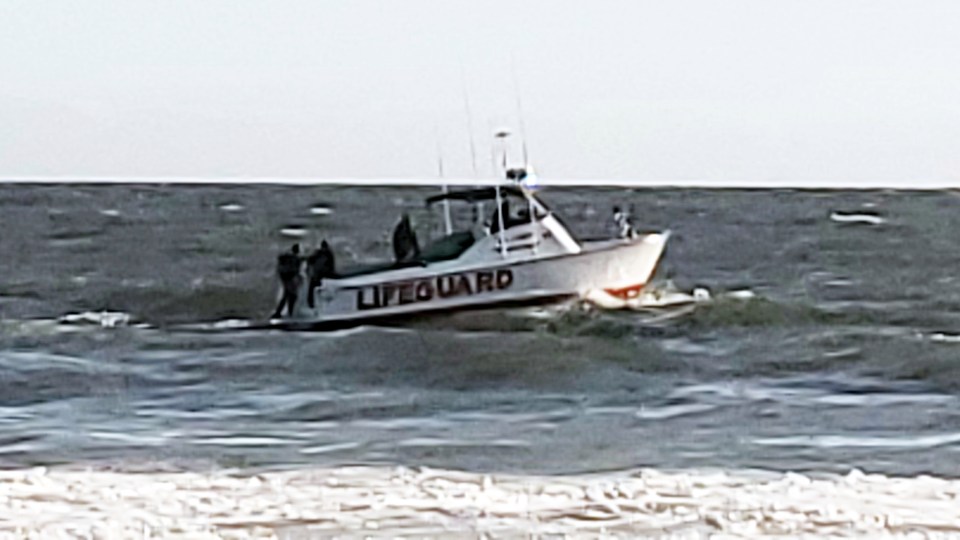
[{"x": 528, "y": 258}]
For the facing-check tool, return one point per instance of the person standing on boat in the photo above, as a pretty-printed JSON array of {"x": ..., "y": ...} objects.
[
  {"x": 624, "y": 225},
  {"x": 405, "y": 245},
  {"x": 320, "y": 264},
  {"x": 288, "y": 270},
  {"x": 500, "y": 214}
]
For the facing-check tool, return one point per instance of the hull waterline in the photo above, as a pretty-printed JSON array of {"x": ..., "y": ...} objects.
[{"x": 619, "y": 267}]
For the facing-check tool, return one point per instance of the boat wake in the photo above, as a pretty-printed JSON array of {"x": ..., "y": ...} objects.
[
  {"x": 661, "y": 309},
  {"x": 655, "y": 297},
  {"x": 70, "y": 323},
  {"x": 105, "y": 319},
  {"x": 598, "y": 313}
]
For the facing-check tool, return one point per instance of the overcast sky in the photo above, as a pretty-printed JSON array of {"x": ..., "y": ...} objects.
[{"x": 762, "y": 91}]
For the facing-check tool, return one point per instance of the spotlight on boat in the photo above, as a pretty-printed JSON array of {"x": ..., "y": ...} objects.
[{"x": 524, "y": 176}]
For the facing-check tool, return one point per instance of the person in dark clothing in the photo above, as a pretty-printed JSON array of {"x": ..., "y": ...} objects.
[
  {"x": 509, "y": 220},
  {"x": 624, "y": 225},
  {"x": 288, "y": 270},
  {"x": 405, "y": 245},
  {"x": 502, "y": 213},
  {"x": 320, "y": 264}
]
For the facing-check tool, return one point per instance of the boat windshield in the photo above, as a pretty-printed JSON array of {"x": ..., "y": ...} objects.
[
  {"x": 476, "y": 195},
  {"x": 481, "y": 216},
  {"x": 515, "y": 208}
]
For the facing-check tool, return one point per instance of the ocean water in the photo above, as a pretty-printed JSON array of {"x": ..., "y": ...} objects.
[{"x": 119, "y": 339}]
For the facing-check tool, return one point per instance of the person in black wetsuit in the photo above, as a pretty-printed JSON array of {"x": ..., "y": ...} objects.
[
  {"x": 500, "y": 213},
  {"x": 509, "y": 220},
  {"x": 320, "y": 264},
  {"x": 405, "y": 245},
  {"x": 288, "y": 270}
]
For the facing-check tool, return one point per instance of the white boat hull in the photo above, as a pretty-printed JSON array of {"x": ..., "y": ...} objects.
[{"x": 618, "y": 267}]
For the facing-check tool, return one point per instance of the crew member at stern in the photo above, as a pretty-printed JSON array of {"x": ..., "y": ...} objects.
[
  {"x": 288, "y": 270},
  {"x": 624, "y": 224},
  {"x": 405, "y": 246},
  {"x": 320, "y": 264}
]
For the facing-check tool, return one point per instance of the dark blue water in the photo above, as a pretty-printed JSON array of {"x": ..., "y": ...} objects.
[{"x": 847, "y": 354}]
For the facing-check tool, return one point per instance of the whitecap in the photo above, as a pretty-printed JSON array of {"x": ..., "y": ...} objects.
[
  {"x": 21, "y": 447},
  {"x": 945, "y": 338},
  {"x": 839, "y": 282},
  {"x": 31, "y": 361},
  {"x": 868, "y": 219},
  {"x": 847, "y": 441},
  {"x": 881, "y": 399},
  {"x": 843, "y": 353},
  {"x": 110, "y": 213},
  {"x": 232, "y": 207},
  {"x": 293, "y": 231},
  {"x": 321, "y": 211},
  {"x": 329, "y": 448},
  {"x": 242, "y": 441},
  {"x": 434, "y": 442},
  {"x": 129, "y": 438},
  {"x": 673, "y": 411}
]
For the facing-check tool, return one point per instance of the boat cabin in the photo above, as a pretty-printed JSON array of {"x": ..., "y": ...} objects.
[{"x": 519, "y": 226}]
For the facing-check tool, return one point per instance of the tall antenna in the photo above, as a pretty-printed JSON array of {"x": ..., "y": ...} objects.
[
  {"x": 447, "y": 220},
  {"x": 493, "y": 149},
  {"x": 501, "y": 135},
  {"x": 436, "y": 135},
  {"x": 466, "y": 105},
  {"x": 523, "y": 127}
]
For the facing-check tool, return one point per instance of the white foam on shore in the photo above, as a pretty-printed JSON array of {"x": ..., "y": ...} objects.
[{"x": 391, "y": 502}]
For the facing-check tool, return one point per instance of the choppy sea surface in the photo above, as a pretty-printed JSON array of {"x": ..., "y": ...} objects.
[{"x": 118, "y": 339}]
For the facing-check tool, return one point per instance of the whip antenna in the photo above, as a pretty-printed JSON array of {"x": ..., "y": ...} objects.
[
  {"x": 447, "y": 220},
  {"x": 466, "y": 106},
  {"x": 521, "y": 123}
]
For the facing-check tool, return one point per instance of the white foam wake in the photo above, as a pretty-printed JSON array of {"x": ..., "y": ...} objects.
[
  {"x": 106, "y": 319},
  {"x": 655, "y": 297}
]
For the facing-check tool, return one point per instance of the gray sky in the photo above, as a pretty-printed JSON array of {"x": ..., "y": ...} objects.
[{"x": 742, "y": 91}]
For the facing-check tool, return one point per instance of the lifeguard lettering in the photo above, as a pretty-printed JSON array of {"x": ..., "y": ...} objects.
[{"x": 425, "y": 290}]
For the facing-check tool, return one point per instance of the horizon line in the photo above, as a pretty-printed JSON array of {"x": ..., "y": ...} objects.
[{"x": 926, "y": 185}]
